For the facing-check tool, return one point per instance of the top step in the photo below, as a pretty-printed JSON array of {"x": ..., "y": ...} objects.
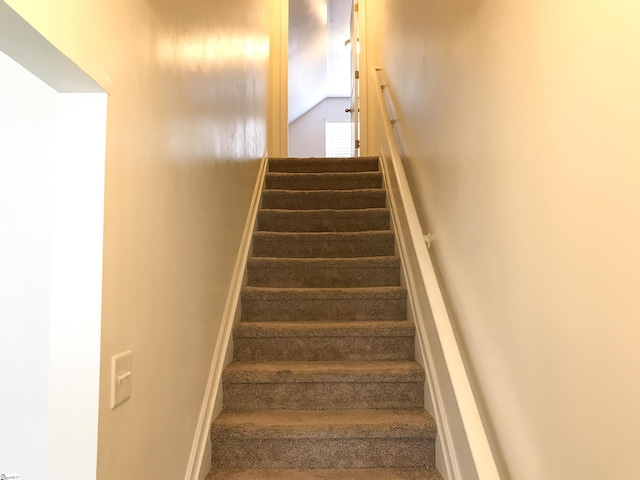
[{"x": 320, "y": 165}]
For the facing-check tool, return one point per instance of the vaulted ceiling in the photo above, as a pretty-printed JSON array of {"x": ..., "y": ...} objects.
[{"x": 319, "y": 61}]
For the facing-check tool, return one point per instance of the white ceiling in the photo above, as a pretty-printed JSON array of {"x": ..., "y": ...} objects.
[{"x": 319, "y": 62}]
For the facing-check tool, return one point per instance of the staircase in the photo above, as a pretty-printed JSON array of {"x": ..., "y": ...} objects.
[{"x": 323, "y": 383}]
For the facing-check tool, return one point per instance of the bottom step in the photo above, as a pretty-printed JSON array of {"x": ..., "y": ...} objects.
[{"x": 328, "y": 474}]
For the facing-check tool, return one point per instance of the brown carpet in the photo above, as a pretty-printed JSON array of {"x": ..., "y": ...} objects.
[{"x": 324, "y": 384}]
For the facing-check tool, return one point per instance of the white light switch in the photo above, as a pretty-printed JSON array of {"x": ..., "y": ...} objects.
[{"x": 121, "y": 375}]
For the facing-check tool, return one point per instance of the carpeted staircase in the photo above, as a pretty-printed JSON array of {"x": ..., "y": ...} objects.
[{"x": 323, "y": 383}]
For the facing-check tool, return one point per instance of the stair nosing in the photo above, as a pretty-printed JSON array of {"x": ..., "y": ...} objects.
[
  {"x": 316, "y": 211},
  {"x": 336, "y": 329},
  {"x": 318, "y": 424},
  {"x": 323, "y": 371},
  {"x": 387, "y": 261},
  {"x": 364, "y": 233},
  {"x": 323, "y": 293},
  {"x": 332, "y": 191},
  {"x": 367, "y": 173}
]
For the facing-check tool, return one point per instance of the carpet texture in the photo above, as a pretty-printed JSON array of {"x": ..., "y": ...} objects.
[{"x": 323, "y": 384}]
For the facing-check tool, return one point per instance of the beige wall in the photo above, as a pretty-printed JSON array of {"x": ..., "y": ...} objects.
[
  {"x": 520, "y": 121},
  {"x": 186, "y": 125}
]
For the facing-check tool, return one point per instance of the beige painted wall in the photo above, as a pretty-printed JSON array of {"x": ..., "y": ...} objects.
[
  {"x": 186, "y": 125},
  {"x": 520, "y": 123}
]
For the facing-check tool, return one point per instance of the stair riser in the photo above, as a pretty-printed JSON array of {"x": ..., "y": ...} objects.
[
  {"x": 229, "y": 452},
  {"x": 322, "y": 222},
  {"x": 323, "y": 349},
  {"x": 335, "y": 277},
  {"x": 338, "y": 181},
  {"x": 311, "y": 309},
  {"x": 309, "y": 248},
  {"x": 323, "y": 396},
  {"x": 323, "y": 200},
  {"x": 303, "y": 165}
]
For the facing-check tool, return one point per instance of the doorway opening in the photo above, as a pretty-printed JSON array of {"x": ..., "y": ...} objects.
[
  {"x": 52, "y": 153},
  {"x": 320, "y": 75}
]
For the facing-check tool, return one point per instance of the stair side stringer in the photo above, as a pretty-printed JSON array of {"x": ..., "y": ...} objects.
[
  {"x": 439, "y": 400},
  {"x": 199, "y": 461}
]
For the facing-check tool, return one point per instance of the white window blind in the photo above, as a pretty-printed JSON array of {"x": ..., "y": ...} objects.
[{"x": 339, "y": 138}]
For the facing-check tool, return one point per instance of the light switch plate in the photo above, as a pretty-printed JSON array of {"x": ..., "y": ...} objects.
[{"x": 121, "y": 376}]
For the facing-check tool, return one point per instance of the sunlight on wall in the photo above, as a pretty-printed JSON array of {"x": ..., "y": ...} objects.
[
  {"x": 220, "y": 50},
  {"x": 319, "y": 8}
]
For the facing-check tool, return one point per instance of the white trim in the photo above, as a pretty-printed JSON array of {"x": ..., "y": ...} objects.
[
  {"x": 278, "y": 104},
  {"x": 363, "y": 85},
  {"x": 201, "y": 438},
  {"x": 478, "y": 441}
]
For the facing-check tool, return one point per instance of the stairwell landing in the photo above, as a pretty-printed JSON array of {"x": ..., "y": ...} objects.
[{"x": 323, "y": 383}]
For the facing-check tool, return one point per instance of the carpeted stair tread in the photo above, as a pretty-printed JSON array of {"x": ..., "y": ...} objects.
[
  {"x": 324, "y": 340},
  {"x": 327, "y": 474},
  {"x": 294, "y": 304},
  {"x": 324, "y": 199},
  {"x": 324, "y": 385},
  {"x": 347, "y": 263},
  {"x": 324, "y": 244},
  {"x": 307, "y": 372},
  {"x": 294, "y": 294},
  {"x": 313, "y": 165},
  {"x": 318, "y": 424},
  {"x": 366, "y": 328},
  {"x": 282, "y": 220},
  {"x": 323, "y": 181},
  {"x": 323, "y": 272}
]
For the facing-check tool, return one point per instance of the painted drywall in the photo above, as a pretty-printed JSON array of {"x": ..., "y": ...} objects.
[
  {"x": 278, "y": 98},
  {"x": 27, "y": 138},
  {"x": 186, "y": 126},
  {"x": 520, "y": 128},
  {"x": 307, "y": 135}
]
